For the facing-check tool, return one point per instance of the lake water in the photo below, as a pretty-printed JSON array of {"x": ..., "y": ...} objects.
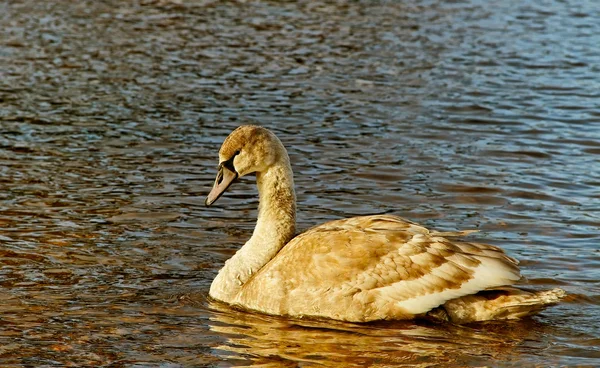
[{"x": 455, "y": 114}]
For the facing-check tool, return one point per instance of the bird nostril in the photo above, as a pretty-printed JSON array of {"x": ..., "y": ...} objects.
[{"x": 220, "y": 177}]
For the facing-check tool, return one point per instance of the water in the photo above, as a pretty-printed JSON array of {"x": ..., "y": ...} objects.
[{"x": 459, "y": 115}]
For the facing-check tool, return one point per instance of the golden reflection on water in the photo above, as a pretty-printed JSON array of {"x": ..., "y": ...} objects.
[{"x": 274, "y": 341}]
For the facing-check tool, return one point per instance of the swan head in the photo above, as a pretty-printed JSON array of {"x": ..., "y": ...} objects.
[{"x": 248, "y": 149}]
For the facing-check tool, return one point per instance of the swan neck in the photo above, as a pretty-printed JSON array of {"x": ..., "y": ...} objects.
[
  {"x": 275, "y": 227},
  {"x": 277, "y": 207}
]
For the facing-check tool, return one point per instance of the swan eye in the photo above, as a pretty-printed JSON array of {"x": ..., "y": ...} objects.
[{"x": 229, "y": 163}]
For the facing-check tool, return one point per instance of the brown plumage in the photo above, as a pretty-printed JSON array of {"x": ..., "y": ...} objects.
[{"x": 358, "y": 269}]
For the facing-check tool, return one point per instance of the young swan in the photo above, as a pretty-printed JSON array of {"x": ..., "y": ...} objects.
[{"x": 358, "y": 269}]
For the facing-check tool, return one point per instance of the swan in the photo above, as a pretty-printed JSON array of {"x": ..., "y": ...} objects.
[{"x": 360, "y": 269}]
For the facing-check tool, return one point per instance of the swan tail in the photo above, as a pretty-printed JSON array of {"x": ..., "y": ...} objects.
[{"x": 496, "y": 304}]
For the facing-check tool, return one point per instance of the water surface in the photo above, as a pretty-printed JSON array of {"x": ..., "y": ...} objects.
[{"x": 459, "y": 115}]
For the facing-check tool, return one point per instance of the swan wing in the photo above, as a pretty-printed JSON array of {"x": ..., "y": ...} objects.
[{"x": 374, "y": 267}]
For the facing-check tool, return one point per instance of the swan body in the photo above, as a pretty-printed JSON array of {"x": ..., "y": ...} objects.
[{"x": 359, "y": 269}]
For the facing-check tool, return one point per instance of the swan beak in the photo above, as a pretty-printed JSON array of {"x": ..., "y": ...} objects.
[{"x": 225, "y": 178}]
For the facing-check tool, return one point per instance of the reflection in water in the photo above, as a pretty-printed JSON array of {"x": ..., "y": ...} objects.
[
  {"x": 274, "y": 341},
  {"x": 458, "y": 115}
]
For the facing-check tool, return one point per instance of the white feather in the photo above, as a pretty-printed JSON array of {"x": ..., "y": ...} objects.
[{"x": 490, "y": 273}]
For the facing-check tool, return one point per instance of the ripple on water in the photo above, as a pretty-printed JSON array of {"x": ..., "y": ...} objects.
[{"x": 462, "y": 115}]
